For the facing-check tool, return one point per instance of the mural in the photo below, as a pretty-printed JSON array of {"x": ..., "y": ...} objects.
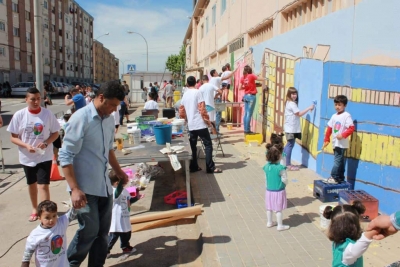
[{"x": 322, "y": 62}]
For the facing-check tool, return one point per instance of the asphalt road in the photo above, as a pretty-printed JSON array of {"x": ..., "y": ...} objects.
[{"x": 8, "y": 107}]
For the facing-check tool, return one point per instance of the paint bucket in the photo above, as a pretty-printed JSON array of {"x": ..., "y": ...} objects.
[
  {"x": 324, "y": 222},
  {"x": 163, "y": 134},
  {"x": 177, "y": 126},
  {"x": 229, "y": 125}
]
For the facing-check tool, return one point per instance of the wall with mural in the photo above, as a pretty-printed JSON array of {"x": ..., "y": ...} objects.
[{"x": 348, "y": 52}]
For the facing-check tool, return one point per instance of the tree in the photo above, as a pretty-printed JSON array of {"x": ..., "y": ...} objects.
[{"x": 176, "y": 63}]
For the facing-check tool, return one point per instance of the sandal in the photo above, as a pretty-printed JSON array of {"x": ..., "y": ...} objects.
[
  {"x": 33, "y": 217},
  {"x": 292, "y": 168},
  {"x": 216, "y": 170},
  {"x": 198, "y": 169}
]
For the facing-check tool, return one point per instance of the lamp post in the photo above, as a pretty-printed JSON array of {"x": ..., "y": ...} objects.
[
  {"x": 147, "y": 48},
  {"x": 37, "y": 11},
  {"x": 101, "y": 36}
]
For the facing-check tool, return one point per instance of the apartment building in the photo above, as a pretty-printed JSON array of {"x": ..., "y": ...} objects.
[
  {"x": 106, "y": 65},
  {"x": 66, "y": 44},
  {"x": 323, "y": 48}
]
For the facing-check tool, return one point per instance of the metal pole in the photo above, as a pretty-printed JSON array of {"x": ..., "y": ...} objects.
[
  {"x": 147, "y": 49},
  {"x": 38, "y": 48}
]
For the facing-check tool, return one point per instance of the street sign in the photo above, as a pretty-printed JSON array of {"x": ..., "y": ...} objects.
[{"x": 131, "y": 68}]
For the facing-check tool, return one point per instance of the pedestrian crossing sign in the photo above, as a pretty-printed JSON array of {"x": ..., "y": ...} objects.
[{"x": 131, "y": 68}]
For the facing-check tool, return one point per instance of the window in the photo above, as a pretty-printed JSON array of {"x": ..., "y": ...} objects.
[
  {"x": 27, "y": 15},
  {"x": 46, "y": 42},
  {"x": 2, "y": 51},
  {"x": 53, "y": 28},
  {"x": 2, "y": 26},
  {"x": 54, "y": 45},
  {"x": 206, "y": 25},
  {"x": 14, "y": 7},
  {"x": 45, "y": 5},
  {"x": 45, "y": 23},
  {"x": 29, "y": 59},
  {"x": 223, "y": 6},
  {"x": 28, "y": 37},
  {"x": 60, "y": 15},
  {"x": 1, "y": 1},
  {"x": 17, "y": 55},
  {"x": 214, "y": 15},
  {"x": 61, "y": 48},
  {"x": 16, "y": 31},
  {"x": 60, "y": 32},
  {"x": 61, "y": 66}
]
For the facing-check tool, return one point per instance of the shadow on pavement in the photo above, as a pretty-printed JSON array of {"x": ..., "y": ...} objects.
[
  {"x": 304, "y": 201},
  {"x": 161, "y": 251},
  {"x": 298, "y": 219}
]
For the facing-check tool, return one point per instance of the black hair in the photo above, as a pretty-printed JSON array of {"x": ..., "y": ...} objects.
[
  {"x": 113, "y": 176},
  {"x": 152, "y": 95},
  {"x": 46, "y": 205},
  {"x": 340, "y": 99},
  {"x": 274, "y": 152},
  {"x": 212, "y": 72},
  {"x": 224, "y": 68},
  {"x": 32, "y": 90},
  {"x": 345, "y": 221},
  {"x": 198, "y": 80},
  {"x": 66, "y": 117},
  {"x": 191, "y": 81},
  {"x": 205, "y": 78},
  {"x": 276, "y": 139},
  {"x": 111, "y": 90},
  {"x": 150, "y": 84},
  {"x": 171, "y": 81}
]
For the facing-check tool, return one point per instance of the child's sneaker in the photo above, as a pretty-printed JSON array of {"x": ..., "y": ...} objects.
[
  {"x": 330, "y": 180},
  {"x": 128, "y": 249},
  {"x": 269, "y": 225},
  {"x": 283, "y": 227}
]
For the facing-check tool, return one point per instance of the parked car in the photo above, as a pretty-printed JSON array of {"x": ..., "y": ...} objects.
[
  {"x": 67, "y": 87},
  {"x": 19, "y": 89}
]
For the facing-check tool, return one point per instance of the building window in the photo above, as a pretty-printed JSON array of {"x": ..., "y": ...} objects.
[
  {"x": 60, "y": 32},
  {"x": 17, "y": 55},
  {"x": 2, "y": 51},
  {"x": 14, "y": 7},
  {"x": 29, "y": 59},
  {"x": 1, "y": 1},
  {"x": 46, "y": 42},
  {"x": 61, "y": 66},
  {"x": 28, "y": 37},
  {"x": 27, "y": 15},
  {"x": 223, "y": 6},
  {"x": 45, "y": 5},
  {"x": 16, "y": 31},
  {"x": 214, "y": 15},
  {"x": 53, "y": 27},
  {"x": 206, "y": 25},
  {"x": 54, "y": 45},
  {"x": 2, "y": 26},
  {"x": 60, "y": 15}
]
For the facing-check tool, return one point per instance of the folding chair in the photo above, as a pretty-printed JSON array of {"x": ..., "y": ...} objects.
[{"x": 217, "y": 146}]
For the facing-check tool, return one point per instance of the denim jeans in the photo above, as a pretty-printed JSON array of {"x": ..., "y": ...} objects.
[
  {"x": 204, "y": 134},
  {"x": 288, "y": 151},
  {"x": 249, "y": 104},
  {"x": 217, "y": 116},
  {"x": 338, "y": 168},
  {"x": 124, "y": 238},
  {"x": 92, "y": 236}
]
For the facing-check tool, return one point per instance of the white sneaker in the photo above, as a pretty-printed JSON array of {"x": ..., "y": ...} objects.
[
  {"x": 269, "y": 225},
  {"x": 283, "y": 227},
  {"x": 330, "y": 180}
]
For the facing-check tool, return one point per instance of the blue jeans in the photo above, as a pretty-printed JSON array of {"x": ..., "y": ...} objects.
[
  {"x": 217, "y": 116},
  {"x": 249, "y": 104},
  {"x": 338, "y": 169},
  {"x": 124, "y": 237},
  {"x": 288, "y": 150},
  {"x": 92, "y": 235}
]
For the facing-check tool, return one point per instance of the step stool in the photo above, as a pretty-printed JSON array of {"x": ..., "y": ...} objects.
[
  {"x": 329, "y": 192},
  {"x": 371, "y": 204}
]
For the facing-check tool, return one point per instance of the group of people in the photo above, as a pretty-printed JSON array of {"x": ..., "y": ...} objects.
[{"x": 84, "y": 158}]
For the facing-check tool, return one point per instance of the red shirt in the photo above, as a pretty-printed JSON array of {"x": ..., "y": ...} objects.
[{"x": 249, "y": 84}]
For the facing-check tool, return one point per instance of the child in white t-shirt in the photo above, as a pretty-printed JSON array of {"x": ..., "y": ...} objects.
[
  {"x": 151, "y": 104},
  {"x": 116, "y": 118},
  {"x": 226, "y": 84},
  {"x": 120, "y": 222},
  {"x": 340, "y": 126},
  {"x": 48, "y": 240}
]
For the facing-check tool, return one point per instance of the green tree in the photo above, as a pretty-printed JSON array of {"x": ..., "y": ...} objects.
[{"x": 176, "y": 63}]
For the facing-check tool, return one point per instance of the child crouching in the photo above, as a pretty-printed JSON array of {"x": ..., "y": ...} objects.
[
  {"x": 48, "y": 240},
  {"x": 120, "y": 223},
  {"x": 276, "y": 180}
]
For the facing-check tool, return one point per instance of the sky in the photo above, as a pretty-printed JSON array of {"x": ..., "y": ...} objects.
[{"x": 163, "y": 23}]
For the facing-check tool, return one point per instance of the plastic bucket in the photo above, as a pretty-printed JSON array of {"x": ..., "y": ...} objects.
[
  {"x": 324, "y": 222},
  {"x": 163, "y": 134},
  {"x": 229, "y": 125},
  {"x": 136, "y": 136},
  {"x": 177, "y": 125}
]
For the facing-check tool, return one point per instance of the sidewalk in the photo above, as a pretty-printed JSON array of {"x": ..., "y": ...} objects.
[{"x": 234, "y": 215}]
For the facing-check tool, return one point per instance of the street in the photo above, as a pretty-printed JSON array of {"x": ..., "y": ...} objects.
[{"x": 8, "y": 107}]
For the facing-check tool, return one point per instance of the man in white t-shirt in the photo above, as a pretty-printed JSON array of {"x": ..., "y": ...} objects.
[
  {"x": 209, "y": 91},
  {"x": 193, "y": 110},
  {"x": 340, "y": 126},
  {"x": 34, "y": 129},
  {"x": 151, "y": 104}
]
